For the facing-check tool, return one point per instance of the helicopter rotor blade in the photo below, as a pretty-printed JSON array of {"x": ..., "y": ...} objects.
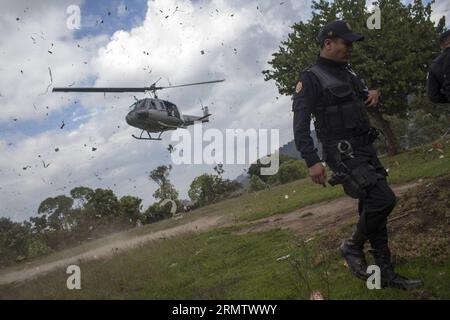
[
  {"x": 188, "y": 84},
  {"x": 101, "y": 89},
  {"x": 143, "y": 89}
]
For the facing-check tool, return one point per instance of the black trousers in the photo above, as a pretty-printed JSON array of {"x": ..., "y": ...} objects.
[{"x": 380, "y": 200}]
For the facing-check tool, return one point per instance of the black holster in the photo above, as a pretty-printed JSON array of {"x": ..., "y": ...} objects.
[
  {"x": 351, "y": 187},
  {"x": 355, "y": 181}
]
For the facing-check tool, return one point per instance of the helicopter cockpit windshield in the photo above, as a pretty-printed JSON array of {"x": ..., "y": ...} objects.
[{"x": 137, "y": 105}]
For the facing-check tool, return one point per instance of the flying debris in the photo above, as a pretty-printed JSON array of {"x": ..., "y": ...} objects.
[{"x": 51, "y": 82}]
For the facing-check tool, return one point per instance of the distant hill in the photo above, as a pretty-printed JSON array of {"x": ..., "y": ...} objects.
[{"x": 288, "y": 149}]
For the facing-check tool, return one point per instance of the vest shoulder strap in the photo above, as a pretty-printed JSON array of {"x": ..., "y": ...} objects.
[{"x": 326, "y": 79}]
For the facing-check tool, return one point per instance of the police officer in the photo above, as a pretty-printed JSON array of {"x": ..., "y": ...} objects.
[
  {"x": 438, "y": 79},
  {"x": 337, "y": 99}
]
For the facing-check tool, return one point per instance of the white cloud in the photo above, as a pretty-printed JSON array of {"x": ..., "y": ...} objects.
[
  {"x": 441, "y": 8},
  {"x": 237, "y": 40}
]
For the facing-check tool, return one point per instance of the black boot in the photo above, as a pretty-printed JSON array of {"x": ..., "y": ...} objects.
[
  {"x": 388, "y": 277},
  {"x": 352, "y": 251}
]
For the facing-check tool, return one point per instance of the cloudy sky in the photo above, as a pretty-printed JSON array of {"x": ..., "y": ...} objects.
[{"x": 53, "y": 142}]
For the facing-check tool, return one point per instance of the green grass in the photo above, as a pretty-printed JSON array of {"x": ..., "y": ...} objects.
[
  {"x": 211, "y": 265},
  {"x": 221, "y": 264},
  {"x": 410, "y": 165}
]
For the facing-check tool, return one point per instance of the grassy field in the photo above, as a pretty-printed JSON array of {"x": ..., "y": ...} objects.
[{"x": 277, "y": 264}]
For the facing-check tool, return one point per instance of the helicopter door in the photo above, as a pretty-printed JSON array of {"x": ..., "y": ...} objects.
[{"x": 170, "y": 111}]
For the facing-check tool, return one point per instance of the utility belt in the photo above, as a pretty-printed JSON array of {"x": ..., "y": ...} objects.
[
  {"x": 364, "y": 139},
  {"x": 356, "y": 180}
]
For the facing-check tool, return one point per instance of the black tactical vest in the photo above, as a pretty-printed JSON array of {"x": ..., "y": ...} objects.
[
  {"x": 437, "y": 67},
  {"x": 341, "y": 112},
  {"x": 441, "y": 69}
]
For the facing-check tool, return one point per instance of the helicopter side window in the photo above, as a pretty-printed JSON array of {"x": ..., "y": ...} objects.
[{"x": 153, "y": 105}]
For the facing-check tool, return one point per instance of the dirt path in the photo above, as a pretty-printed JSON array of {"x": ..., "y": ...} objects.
[
  {"x": 324, "y": 215},
  {"x": 307, "y": 219},
  {"x": 110, "y": 249}
]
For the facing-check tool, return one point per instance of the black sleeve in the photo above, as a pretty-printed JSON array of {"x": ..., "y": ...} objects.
[
  {"x": 433, "y": 89},
  {"x": 303, "y": 105}
]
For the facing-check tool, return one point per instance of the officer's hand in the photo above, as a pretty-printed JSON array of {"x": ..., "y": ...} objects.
[
  {"x": 318, "y": 174},
  {"x": 373, "y": 98}
]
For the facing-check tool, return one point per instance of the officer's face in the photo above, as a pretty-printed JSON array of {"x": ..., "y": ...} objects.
[{"x": 338, "y": 49}]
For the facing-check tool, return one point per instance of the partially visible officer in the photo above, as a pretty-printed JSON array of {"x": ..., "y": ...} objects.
[
  {"x": 438, "y": 79},
  {"x": 337, "y": 99}
]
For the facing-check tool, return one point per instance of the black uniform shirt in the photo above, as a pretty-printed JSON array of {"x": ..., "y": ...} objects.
[
  {"x": 307, "y": 96},
  {"x": 434, "y": 81}
]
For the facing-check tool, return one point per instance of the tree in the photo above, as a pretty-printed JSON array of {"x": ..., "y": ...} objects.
[
  {"x": 130, "y": 208},
  {"x": 393, "y": 59},
  {"x": 166, "y": 190},
  {"x": 39, "y": 224},
  {"x": 201, "y": 189},
  {"x": 208, "y": 188},
  {"x": 257, "y": 184},
  {"x": 255, "y": 169},
  {"x": 291, "y": 170},
  {"x": 57, "y": 210},
  {"x": 104, "y": 204},
  {"x": 81, "y": 195},
  {"x": 161, "y": 174},
  {"x": 14, "y": 241},
  {"x": 155, "y": 212}
]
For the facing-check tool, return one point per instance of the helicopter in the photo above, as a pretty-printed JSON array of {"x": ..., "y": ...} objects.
[{"x": 151, "y": 115}]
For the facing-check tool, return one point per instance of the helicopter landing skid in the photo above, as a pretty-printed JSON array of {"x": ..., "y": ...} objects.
[{"x": 149, "y": 136}]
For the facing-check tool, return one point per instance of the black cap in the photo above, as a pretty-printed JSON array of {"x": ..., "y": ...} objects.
[
  {"x": 338, "y": 29},
  {"x": 444, "y": 37}
]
